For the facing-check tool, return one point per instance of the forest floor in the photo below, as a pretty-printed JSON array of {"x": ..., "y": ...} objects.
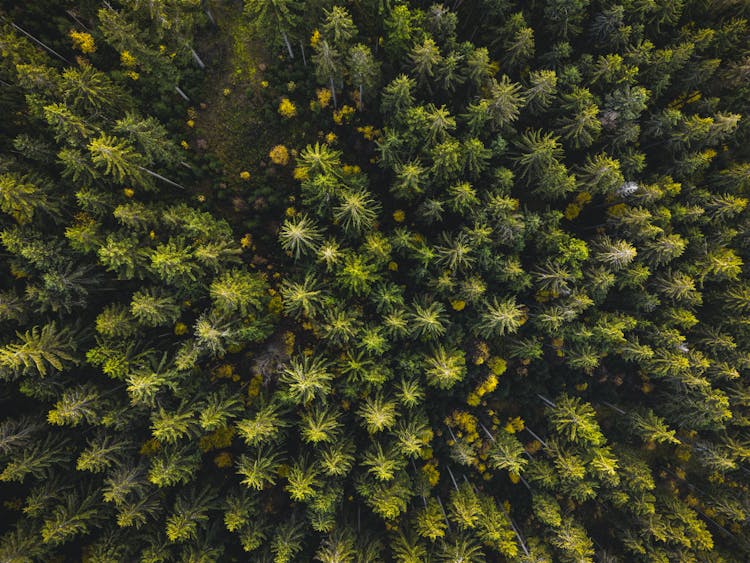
[
  {"x": 234, "y": 130},
  {"x": 230, "y": 126}
]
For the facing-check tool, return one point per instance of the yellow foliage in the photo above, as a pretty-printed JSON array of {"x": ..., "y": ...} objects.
[
  {"x": 245, "y": 175},
  {"x": 82, "y": 41},
  {"x": 343, "y": 114},
  {"x": 481, "y": 352},
  {"x": 289, "y": 340},
  {"x": 180, "y": 329},
  {"x": 274, "y": 305},
  {"x": 487, "y": 386},
  {"x": 431, "y": 472},
  {"x": 464, "y": 421},
  {"x": 300, "y": 173},
  {"x": 324, "y": 97},
  {"x": 533, "y": 446},
  {"x": 223, "y": 460},
  {"x": 150, "y": 447},
  {"x": 127, "y": 59},
  {"x": 129, "y": 192},
  {"x": 224, "y": 371},
  {"x": 279, "y": 155},
  {"x": 497, "y": 365},
  {"x": 674, "y": 188},
  {"x": 545, "y": 295},
  {"x": 253, "y": 388},
  {"x": 287, "y": 108},
  {"x": 369, "y": 132},
  {"x": 221, "y": 438},
  {"x": 683, "y": 453},
  {"x": 458, "y": 305},
  {"x": 572, "y": 211},
  {"x": 514, "y": 425},
  {"x": 315, "y": 39}
]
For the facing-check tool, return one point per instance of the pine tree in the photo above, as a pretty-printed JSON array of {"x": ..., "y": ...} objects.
[
  {"x": 328, "y": 66},
  {"x": 276, "y": 16},
  {"x": 22, "y": 200},
  {"x": 299, "y": 236},
  {"x": 444, "y": 368},
  {"x": 38, "y": 352},
  {"x": 363, "y": 70},
  {"x": 306, "y": 379},
  {"x": 152, "y": 308}
]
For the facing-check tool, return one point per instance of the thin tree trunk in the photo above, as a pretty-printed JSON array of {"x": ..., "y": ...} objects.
[
  {"x": 537, "y": 438},
  {"x": 181, "y": 93},
  {"x": 333, "y": 93},
  {"x": 361, "y": 94},
  {"x": 210, "y": 17},
  {"x": 46, "y": 47},
  {"x": 160, "y": 177},
  {"x": 618, "y": 409},
  {"x": 288, "y": 45},
  {"x": 72, "y": 14},
  {"x": 302, "y": 48},
  {"x": 445, "y": 516},
  {"x": 197, "y": 59}
]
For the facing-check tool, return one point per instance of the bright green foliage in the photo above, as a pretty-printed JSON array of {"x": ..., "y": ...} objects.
[
  {"x": 238, "y": 291},
  {"x": 305, "y": 379},
  {"x": 444, "y": 368},
  {"x": 38, "y": 351},
  {"x": 431, "y": 521},
  {"x": 259, "y": 470},
  {"x": 263, "y": 426},
  {"x": 21, "y": 199},
  {"x": 575, "y": 420},
  {"x": 500, "y": 318},
  {"x": 378, "y": 414},
  {"x": 151, "y": 308},
  {"x": 299, "y": 236}
]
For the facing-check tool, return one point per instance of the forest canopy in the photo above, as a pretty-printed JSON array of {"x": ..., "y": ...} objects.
[{"x": 373, "y": 281}]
